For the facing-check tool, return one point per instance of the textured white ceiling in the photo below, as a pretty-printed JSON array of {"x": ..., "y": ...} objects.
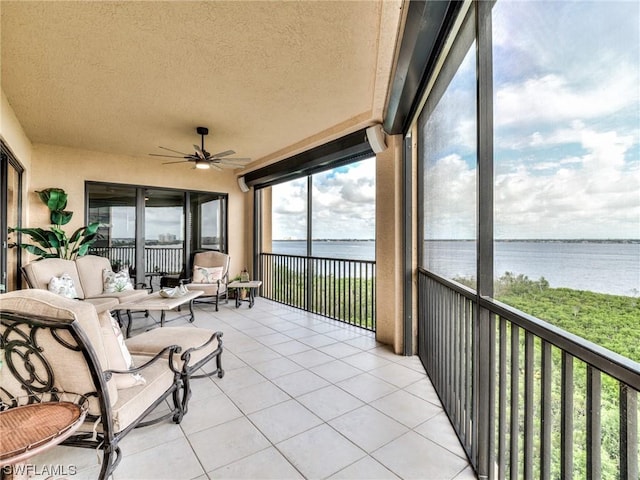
[{"x": 267, "y": 77}]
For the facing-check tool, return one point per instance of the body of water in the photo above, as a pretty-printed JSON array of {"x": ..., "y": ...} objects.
[{"x": 604, "y": 267}]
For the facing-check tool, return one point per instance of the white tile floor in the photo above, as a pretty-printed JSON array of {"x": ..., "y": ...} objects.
[{"x": 303, "y": 397}]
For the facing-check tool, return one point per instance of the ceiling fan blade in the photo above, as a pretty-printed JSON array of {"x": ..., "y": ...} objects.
[
  {"x": 166, "y": 156},
  {"x": 169, "y": 163},
  {"x": 216, "y": 167},
  {"x": 226, "y": 153},
  {"x": 174, "y": 151},
  {"x": 199, "y": 153}
]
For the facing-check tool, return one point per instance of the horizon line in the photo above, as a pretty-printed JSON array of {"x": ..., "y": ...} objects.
[{"x": 468, "y": 240}]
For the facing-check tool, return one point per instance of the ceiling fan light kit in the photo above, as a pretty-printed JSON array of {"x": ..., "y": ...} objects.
[{"x": 204, "y": 160}]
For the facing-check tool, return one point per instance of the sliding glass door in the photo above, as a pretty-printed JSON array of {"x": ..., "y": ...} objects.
[
  {"x": 10, "y": 199},
  {"x": 151, "y": 230},
  {"x": 114, "y": 207},
  {"x": 164, "y": 230},
  {"x": 208, "y": 217}
]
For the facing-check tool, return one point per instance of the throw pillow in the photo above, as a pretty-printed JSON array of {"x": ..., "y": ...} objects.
[
  {"x": 118, "y": 353},
  {"x": 63, "y": 285},
  {"x": 116, "y": 282},
  {"x": 206, "y": 274}
]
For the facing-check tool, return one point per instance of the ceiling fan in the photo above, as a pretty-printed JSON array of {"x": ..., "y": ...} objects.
[{"x": 203, "y": 159}]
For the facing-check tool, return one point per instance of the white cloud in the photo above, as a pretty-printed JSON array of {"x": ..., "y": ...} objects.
[
  {"x": 564, "y": 61},
  {"x": 343, "y": 204},
  {"x": 450, "y": 199},
  {"x": 290, "y": 210},
  {"x": 567, "y": 111},
  {"x": 553, "y": 98},
  {"x": 290, "y": 197},
  {"x": 595, "y": 195}
]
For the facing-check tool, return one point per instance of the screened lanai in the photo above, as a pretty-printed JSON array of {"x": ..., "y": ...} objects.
[{"x": 504, "y": 270}]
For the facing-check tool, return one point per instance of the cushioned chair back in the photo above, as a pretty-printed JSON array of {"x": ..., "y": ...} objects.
[
  {"x": 90, "y": 269},
  {"x": 40, "y": 272},
  {"x": 212, "y": 259},
  {"x": 69, "y": 370}
]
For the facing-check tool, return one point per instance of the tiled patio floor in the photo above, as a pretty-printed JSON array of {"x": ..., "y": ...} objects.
[{"x": 303, "y": 397}]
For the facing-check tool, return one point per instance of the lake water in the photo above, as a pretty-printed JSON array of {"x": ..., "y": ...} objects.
[{"x": 605, "y": 267}]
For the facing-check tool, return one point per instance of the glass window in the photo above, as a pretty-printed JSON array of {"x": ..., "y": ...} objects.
[
  {"x": 114, "y": 207},
  {"x": 289, "y": 217},
  {"x": 207, "y": 218},
  {"x": 567, "y": 164},
  {"x": 166, "y": 225},
  {"x": 342, "y": 217},
  {"x": 164, "y": 229},
  {"x": 448, "y": 157},
  {"x": 344, "y": 211}
]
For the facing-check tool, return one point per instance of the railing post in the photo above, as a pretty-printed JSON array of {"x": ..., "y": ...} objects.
[
  {"x": 308, "y": 288},
  {"x": 485, "y": 393},
  {"x": 566, "y": 416},
  {"x": 483, "y": 405},
  {"x": 308, "y": 298},
  {"x": 628, "y": 432},
  {"x": 594, "y": 424}
]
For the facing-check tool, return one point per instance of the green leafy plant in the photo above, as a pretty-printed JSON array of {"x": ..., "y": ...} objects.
[{"x": 54, "y": 242}]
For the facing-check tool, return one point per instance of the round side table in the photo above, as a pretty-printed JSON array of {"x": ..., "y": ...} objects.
[{"x": 31, "y": 429}]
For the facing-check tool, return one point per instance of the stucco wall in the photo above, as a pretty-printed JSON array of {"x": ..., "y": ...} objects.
[
  {"x": 15, "y": 138},
  {"x": 67, "y": 168},
  {"x": 12, "y": 133},
  {"x": 389, "y": 281}
]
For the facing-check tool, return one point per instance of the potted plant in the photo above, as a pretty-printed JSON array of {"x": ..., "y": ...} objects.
[{"x": 54, "y": 242}]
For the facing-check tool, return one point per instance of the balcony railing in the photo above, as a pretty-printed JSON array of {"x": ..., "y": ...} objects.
[
  {"x": 527, "y": 399},
  {"x": 340, "y": 289},
  {"x": 156, "y": 259}
]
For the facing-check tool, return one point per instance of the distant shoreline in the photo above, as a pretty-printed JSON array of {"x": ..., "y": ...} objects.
[
  {"x": 528, "y": 240},
  {"x": 328, "y": 240}
]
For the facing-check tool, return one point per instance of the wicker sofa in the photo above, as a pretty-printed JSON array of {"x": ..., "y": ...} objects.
[{"x": 54, "y": 347}]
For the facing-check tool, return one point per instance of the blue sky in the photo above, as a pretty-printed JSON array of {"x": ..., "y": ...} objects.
[
  {"x": 566, "y": 123},
  {"x": 343, "y": 204}
]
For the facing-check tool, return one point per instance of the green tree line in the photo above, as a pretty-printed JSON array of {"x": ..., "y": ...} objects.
[
  {"x": 611, "y": 321},
  {"x": 347, "y": 299}
]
